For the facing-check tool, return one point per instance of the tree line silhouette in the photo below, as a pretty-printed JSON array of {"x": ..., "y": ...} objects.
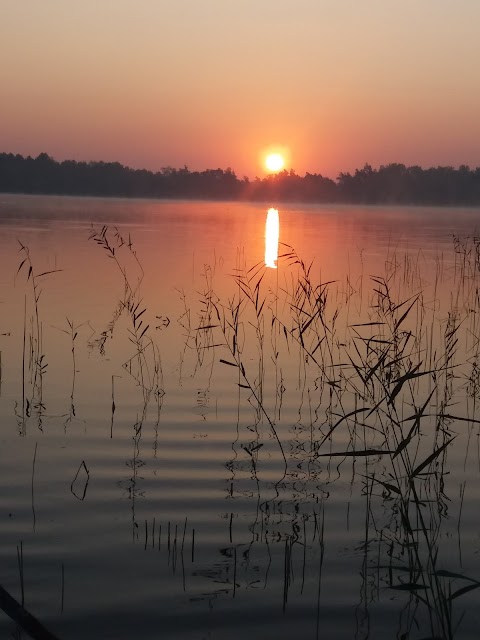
[{"x": 393, "y": 183}]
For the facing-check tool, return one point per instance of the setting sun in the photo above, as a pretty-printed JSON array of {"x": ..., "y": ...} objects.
[{"x": 274, "y": 162}]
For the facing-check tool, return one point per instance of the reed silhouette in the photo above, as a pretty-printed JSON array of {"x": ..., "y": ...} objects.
[{"x": 352, "y": 396}]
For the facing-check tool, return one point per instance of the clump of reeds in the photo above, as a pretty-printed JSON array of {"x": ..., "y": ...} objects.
[
  {"x": 144, "y": 365},
  {"x": 376, "y": 384},
  {"x": 383, "y": 383},
  {"x": 34, "y": 364}
]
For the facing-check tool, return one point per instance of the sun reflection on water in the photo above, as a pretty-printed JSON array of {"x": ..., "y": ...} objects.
[{"x": 272, "y": 230}]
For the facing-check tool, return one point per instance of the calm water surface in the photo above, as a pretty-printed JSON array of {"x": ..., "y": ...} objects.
[{"x": 195, "y": 446}]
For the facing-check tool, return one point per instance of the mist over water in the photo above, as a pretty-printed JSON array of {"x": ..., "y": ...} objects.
[{"x": 197, "y": 446}]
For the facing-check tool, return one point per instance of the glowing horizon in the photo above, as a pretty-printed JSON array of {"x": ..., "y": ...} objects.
[{"x": 170, "y": 98}]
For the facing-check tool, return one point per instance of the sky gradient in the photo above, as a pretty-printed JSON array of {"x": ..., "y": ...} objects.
[{"x": 215, "y": 83}]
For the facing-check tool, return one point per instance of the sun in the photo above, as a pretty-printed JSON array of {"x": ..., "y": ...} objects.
[{"x": 274, "y": 162}]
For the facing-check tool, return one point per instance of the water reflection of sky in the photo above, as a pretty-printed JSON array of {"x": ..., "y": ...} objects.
[{"x": 186, "y": 500}]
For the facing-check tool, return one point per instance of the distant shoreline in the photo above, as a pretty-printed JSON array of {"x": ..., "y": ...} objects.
[{"x": 393, "y": 184}]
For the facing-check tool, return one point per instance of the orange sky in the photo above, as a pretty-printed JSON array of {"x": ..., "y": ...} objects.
[{"x": 211, "y": 83}]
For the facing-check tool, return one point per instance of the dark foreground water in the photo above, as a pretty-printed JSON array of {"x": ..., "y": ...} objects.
[{"x": 193, "y": 445}]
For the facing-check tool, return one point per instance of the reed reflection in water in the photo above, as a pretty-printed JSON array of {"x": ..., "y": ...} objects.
[{"x": 275, "y": 454}]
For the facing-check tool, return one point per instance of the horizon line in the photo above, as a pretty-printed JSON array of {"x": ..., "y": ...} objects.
[{"x": 229, "y": 168}]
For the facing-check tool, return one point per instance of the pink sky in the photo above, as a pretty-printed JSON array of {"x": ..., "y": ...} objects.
[{"x": 213, "y": 83}]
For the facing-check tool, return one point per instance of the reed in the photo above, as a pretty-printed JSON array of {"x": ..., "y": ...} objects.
[
  {"x": 33, "y": 359},
  {"x": 384, "y": 389},
  {"x": 21, "y": 571},
  {"x": 378, "y": 369},
  {"x": 387, "y": 375},
  {"x": 34, "y": 516},
  {"x": 145, "y": 365},
  {"x": 72, "y": 333},
  {"x": 62, "y": 600}
]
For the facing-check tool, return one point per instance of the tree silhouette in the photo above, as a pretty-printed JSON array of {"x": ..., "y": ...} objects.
[{"x": 393, "y": 183}]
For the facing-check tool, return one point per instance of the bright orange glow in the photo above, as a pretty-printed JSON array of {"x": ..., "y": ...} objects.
[
  {"x": 274, "y": 162},
  {"x": 272, "y": 232}
]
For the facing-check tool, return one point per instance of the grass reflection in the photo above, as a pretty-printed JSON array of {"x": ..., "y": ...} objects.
[{"x": 333, "y": 417}]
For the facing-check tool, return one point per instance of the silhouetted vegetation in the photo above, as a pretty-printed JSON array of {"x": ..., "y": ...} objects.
[{"x": 392, "y": 183}]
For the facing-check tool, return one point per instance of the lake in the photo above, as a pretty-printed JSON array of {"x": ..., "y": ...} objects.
[{"x": 196, "y": 446}]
